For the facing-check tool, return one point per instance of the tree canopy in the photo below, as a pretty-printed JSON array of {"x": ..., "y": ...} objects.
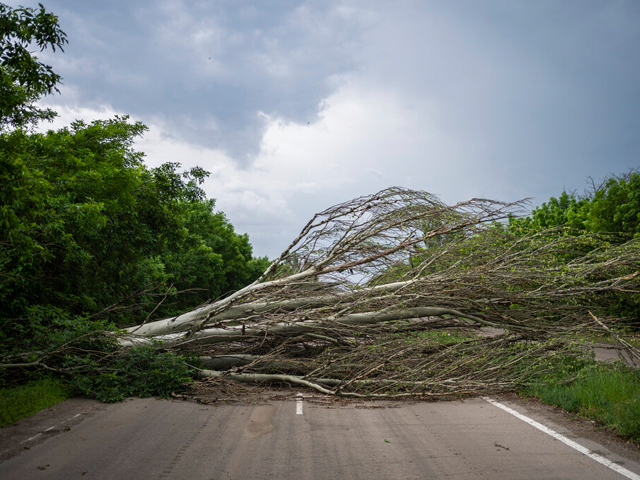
[
  {"x": 613, "y": 206},
  {"x": 86, "y": 223},
  {"x": 23, "y": 78}
]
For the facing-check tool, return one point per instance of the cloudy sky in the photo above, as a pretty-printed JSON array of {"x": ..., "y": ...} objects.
[{"x": 296, "y": 105}]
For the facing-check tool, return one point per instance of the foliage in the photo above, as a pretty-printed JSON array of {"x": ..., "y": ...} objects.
[
  {"x": 24, "y": 79},
  {"x": 89, "y": 236},
  {"x": 24, "y": 400},
  {"x": 612, "y": 207},
  {"x": 616, "y": 206},
  {"x": 86, "y": 224},
  {"x": 86, "y": 354},
  {"x": 140, "y": 371}
]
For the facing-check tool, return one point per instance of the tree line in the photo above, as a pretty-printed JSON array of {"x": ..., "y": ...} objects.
[
  {"x": 87, "y": 227},
  {"x": 611, "y": 205}
]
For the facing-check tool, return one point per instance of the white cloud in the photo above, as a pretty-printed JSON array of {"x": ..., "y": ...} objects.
[
  {"x": 362, "y": 141},
  {"x": 68, "y": 113}
]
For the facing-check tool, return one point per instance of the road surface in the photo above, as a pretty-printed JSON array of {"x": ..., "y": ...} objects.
[{"x": 303, "y": 439}]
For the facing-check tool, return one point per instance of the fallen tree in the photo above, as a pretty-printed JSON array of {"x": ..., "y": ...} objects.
[
  {"x": 392, "y": 294},
  {"x": 351, "y": 306}
]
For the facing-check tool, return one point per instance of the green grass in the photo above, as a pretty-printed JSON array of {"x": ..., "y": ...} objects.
[
  {"x": 25, "y": 400},
  {"x": 606, "y": 394}
]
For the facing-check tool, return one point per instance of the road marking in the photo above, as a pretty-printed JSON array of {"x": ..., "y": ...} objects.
[
  {"x": 29, "y": 439},
  {"x": 299, "y": 404},
  {"x": 39, "y": 434},
  {"x": 598, "y": 458}
]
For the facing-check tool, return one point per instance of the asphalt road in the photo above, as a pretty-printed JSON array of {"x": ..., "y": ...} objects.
[{"x": 301, "y": 439}]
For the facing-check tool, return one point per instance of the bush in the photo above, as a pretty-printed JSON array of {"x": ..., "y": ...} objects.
[{"x": 139, "y": 371}]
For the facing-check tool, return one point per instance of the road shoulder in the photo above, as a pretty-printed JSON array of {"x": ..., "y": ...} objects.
[{"x": 24, "y": 434}]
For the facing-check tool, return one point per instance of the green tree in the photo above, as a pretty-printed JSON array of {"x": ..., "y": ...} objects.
[
  {"x": 60, "y": 192},
  {"x": 23, "y": 78},
  {"x": 614, "y": 207},
  {"x": 86, "y": 224},
  {"x": 568, "y": 210}
]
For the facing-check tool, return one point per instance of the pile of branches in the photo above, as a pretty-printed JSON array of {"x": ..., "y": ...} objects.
[{"x": 393, "y": 294}]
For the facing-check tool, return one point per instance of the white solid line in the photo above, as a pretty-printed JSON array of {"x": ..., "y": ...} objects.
[
  {"x": 598, "y": 458},
  {"x": 299, "y": 404},
  {"x": 50, "y": 428}
]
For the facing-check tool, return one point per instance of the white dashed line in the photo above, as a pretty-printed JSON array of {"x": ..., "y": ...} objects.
[
  {"x": 29, "y": 439},
  {"x": 594, "y": 456},
  {"x": 39, "y": 434},
  {"x": 299, "y": 404}
]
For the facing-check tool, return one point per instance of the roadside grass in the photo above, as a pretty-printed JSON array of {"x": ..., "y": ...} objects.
[
  {"x": 607, "y": 394},
  {"x": 25, "y": 400}
]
